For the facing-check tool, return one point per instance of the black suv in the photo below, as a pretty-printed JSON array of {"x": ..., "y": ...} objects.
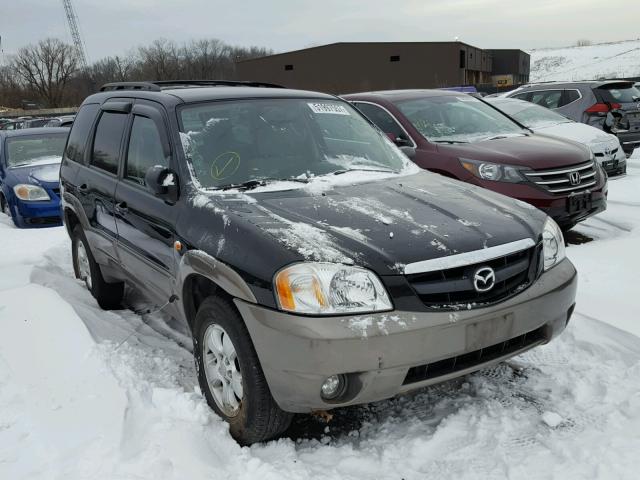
[{"x": 314, "y": 264}]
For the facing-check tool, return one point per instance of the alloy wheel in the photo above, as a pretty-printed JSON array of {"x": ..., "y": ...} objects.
[
  {"x": 84, "y": 269},
  {"x": 222, "y": 370}
]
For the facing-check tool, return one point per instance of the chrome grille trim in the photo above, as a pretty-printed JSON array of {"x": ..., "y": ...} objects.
[
  {"x": 468, "y": 258},
  {"x": 558, "y": 181},
  {"x": 559, "y": 172},
  {"x": 572, "y": 189}
]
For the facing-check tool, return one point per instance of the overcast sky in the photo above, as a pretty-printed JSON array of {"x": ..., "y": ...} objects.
[{"x": 112, "y": 27}]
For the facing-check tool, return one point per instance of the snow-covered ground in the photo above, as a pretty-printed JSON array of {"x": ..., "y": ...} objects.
[
  {"x": 87, "y": 394},
  {"x": 593, "y": 62}
]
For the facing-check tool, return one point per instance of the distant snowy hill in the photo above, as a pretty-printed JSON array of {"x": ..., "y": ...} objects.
[{"x": 603, "y": 60}]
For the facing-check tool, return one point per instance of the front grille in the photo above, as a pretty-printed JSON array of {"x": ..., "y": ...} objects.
[
  {"x": 471, "y": 359},
  {"x": 613, "y": 152},
  {"x": 563, "y": 181},
  {"x": 453, "y": 288}
]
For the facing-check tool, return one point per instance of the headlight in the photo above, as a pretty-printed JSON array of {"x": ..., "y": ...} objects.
[
  {"x": 30, "y": 193},
  {"x": 552, "y": 244},
  {"x": 493, "y": 171},
  {"x": 329, "y": 288}
]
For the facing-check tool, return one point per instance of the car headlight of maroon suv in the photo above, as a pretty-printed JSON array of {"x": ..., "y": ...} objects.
[{"x": 493, "y": 171}]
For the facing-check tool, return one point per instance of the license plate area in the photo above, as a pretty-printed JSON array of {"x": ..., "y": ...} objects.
[
  {"x": 609, "y": 164},
  {"x": 489, "y": 332},
  {"x": 579, "y": 202}
]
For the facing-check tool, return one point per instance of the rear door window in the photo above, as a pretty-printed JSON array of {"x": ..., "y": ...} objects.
[
  {"x": 107, "y": 141},
  {"x": 547, "y": 98},
  {"x": 570, "y": 96}
]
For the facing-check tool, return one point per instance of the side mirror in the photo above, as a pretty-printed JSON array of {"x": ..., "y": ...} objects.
[
  {"x": 402, "y": 141},
  {"x": 162, "y": 182},
  {"x": 410, "y": 152}
]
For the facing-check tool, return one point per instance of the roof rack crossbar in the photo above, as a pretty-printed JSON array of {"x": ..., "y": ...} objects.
[
  {"x": 214, "y": 83},
  {"x": 157, "y": 86},
  {"x": 150, "y": 86}
]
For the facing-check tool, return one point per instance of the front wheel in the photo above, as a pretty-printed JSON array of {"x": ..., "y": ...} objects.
[
  {"x": 108, "y": 295},
  {"x": 4, "y": 206},
  {"x": 231, "y": 377}
]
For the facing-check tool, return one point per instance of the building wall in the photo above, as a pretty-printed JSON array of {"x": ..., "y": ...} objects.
[
  {"x": 511, "y": 62},
  {"x": 357, "y": 67}
]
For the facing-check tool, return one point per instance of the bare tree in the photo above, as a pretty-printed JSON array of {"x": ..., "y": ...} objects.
[
  {"x": 583, "y": 42},
  {"x": 46, "y": 68}
]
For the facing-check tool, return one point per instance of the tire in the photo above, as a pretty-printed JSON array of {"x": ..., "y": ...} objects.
[
  {"x": 256, "y": 417},
  {"x": 108, "y": 295},
  {"x": 4, "y": 206},
  {"x": 6, "y": 209}
]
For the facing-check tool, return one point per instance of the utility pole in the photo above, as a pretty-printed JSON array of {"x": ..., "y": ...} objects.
[{"x": 72, "y": 19}]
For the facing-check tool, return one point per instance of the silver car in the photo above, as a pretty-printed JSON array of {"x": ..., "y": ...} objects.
[
  {"x": 605, "y": 146},
  {"x": 611, "y": 105}
]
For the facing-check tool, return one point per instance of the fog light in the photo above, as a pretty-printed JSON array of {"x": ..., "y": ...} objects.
[{"x": 333, "y": 386}]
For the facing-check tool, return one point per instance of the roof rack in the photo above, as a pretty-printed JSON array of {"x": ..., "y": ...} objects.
[{"x": 157, "y": 86}]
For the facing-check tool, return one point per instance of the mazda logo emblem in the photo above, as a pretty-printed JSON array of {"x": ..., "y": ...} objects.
[
  {"x": 574, "y": 178},
  {"x": 607, "y": 151},
  {"x": 484, "y": 279}
]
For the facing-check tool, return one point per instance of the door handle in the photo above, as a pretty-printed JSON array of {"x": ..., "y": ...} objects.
[
  {"x": 122, "y": 207},
  {"x": 83, "y": 188}
]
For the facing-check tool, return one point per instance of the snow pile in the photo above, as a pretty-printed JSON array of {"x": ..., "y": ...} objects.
[
  {"x": 113, "y": 395},
  {"x": 593, "y": 62}
]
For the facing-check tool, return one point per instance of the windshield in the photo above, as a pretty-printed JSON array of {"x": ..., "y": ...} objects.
[
  {"x": 35, "y": 149},
  {"x": 457, "y": 119},
  {"x": 233, "y": 143},
  {"x": 529, "y": 114}
]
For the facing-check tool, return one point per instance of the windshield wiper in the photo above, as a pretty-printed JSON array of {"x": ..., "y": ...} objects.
[
  {"x": 251, "y": 184},
  {"x": 504, "y": 135},
  {"x": 449, "y": 141},
  {"x": 383, "y": 170}
]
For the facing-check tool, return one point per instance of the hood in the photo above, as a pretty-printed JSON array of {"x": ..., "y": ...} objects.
[
  {"x": 535, "y": 151},
  {"x": 382, "y": 225},
  {"x": 38, "y": 174},
  {"x": 577, "y": 132}
]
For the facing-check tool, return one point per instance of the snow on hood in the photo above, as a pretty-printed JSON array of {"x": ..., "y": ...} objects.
[
  {"x": 578, "y": 132},
  {"x": 41, "y": 172},
  {"x": 383, "y": 225}
]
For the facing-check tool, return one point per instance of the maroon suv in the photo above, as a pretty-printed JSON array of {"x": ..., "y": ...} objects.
[{"x": 463, "y": 137}]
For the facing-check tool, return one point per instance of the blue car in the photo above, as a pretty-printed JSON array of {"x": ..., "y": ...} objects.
[{"x": 30, "y": 175}]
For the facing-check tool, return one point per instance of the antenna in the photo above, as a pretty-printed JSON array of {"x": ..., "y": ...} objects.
[{"x": 72, "y": 18}]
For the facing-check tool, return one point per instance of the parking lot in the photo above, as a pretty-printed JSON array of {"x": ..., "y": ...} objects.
[{"x": 86, "y": 393}]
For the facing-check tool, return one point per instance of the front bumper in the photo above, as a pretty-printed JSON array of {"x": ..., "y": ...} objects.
[
  {"x": 377, "y": 352},
  {"x": 556, "y": 206},
  {"x": 629, "y": 140},
  {"x": 38, "y": 214}
]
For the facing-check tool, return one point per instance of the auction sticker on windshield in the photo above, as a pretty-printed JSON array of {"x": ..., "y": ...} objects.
[{"x": 328, "y": 108}]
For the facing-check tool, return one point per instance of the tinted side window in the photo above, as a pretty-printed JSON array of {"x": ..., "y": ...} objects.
[
  {"x": 381, "y": 118},
  {"x": 548, "y": 98},
  {"x": 106, "y": 144},
  {"x": 570, "y": 96},
  {"x": 80, "y": 132},
  {"x": 521, "y": 96},
  {"x": 145, "y": 149}
]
